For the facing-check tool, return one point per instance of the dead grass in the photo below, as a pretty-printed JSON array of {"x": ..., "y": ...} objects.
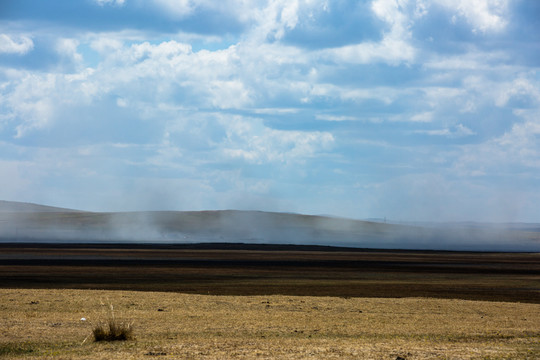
[
  {"x": 113, "y": 329},
  {"x": 46, "y": 324}
]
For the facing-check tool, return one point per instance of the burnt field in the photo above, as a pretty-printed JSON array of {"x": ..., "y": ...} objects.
[{"x": 240, "y": 269}]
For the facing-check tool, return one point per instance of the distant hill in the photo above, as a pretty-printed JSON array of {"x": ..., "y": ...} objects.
[
  {"x": 21, "y": 222},
  {"x": 12, "y": 206}
]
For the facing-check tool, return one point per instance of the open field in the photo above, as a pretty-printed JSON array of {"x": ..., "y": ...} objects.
[
  {"x": 45, "y": 324},
  {"x": 229, "y": 269},
  {"x": 236, "y": 301}
]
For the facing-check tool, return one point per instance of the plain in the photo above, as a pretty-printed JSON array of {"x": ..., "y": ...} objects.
[{"x": 46, "y": 323}]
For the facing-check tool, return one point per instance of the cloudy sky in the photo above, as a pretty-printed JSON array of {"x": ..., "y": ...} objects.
[{"x": 405, "y": 109}]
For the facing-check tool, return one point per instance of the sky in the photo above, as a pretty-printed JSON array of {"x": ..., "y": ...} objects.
[{"x": 410, "y": 110}]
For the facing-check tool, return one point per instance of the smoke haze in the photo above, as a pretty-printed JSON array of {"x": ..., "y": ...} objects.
[{"x": 34, "y": 223}]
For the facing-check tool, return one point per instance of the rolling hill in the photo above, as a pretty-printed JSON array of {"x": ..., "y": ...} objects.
[
  {"x": 21, "y": 222},
  {"x": 13, "y": 206}
]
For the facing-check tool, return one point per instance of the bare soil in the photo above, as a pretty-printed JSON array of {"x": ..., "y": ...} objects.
[{"x": 238, "y": 269}]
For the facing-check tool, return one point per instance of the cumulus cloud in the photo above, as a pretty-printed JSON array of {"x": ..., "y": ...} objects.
[
  {"x": 520, "y": 144},
  {"x": 276, "y": 18},
  {"x": 519, "y": 93},
  {"x": 483, "y": 15},
  {"x": 209, "y": 79},
  {"x": 106, "y": 45},
  {"x": 30, "y": 102},
  {"x": 513, "y": 154},
  {"x": 19, "y": 45},
  {"x": 68, "y": 48},
  {"x": 220, "y": 115},
  {"x": 395, "y": 46},
  {"x": 389, "y": 50},
  {"x": 248, "y": 139}
]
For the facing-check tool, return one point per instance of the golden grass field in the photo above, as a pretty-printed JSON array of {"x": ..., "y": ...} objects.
[{"x": 46, "y": 324}]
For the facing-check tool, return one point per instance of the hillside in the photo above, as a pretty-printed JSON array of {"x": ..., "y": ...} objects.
[
  {"x": 37, "y": 223},
  {"x": 13, "y": 206}
]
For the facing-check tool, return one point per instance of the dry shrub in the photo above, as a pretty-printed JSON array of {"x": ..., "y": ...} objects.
[{"x": 113, "y": 330}]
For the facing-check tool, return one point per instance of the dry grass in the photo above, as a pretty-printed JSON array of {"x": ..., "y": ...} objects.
[
  {"x": 113, "y": 329},
  {"x": 45, "y": 324}
]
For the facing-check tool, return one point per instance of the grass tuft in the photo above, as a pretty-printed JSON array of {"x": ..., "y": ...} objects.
[{"x": 112, "y": 329}]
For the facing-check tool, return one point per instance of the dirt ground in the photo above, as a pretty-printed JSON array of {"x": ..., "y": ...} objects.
[{"x": 269, "y": 270}]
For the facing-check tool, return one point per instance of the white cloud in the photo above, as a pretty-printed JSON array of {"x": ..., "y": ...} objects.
[
  {"x": 241, "y": 10},
  {"x": 121, "y": 102},
  {"x": 329, "y": 117},
  {"x": 355, "y": 94},
  {"x": 193, "y": 139},
  {"x": 176, "y": 8},
  {"x": 68, "y": 48},
  {"x": 276, "y": 111},
  {"x": 440, "y": 132},
  {"x": 472, "y": 60},
  {"x": 480, "y": 80},
  {"x": 400, "y": 15},
  {"x": 229, "y": 94},
  {"x": 230, "y": 78},
  {"x": 422, "y": 117},
  {"x": 520, "y": 145},
  {"x": 277, "y": 17},
  {"x": 110, "y": 2},
  {"x": 19, "y": 45},
  {"x": 268, "y": 20},
  {"x": 390, "y": 50},
  {"x": 106, "y": 45},
  {"x": 521, "y": 91},
  {"x": 391, "y": 11},
  {"x": 30, "y": 102},
  {"x": 191, "y": 105},
  {"x": 458, "y": 131},
  {"x": 512, "y": 154},
  {"x": 462, "y": 130},
  {"x": 395, "y": 46},
  {"x": 483, "y": 15},
  {"x": 221, "y": 79},
  {"x": 248, "y": 139}
]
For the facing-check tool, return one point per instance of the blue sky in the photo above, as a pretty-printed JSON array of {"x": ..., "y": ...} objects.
[{"x": 412, "y": 110}]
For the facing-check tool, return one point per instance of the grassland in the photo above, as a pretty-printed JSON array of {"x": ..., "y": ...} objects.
[{"x": 45, "y": 324}]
